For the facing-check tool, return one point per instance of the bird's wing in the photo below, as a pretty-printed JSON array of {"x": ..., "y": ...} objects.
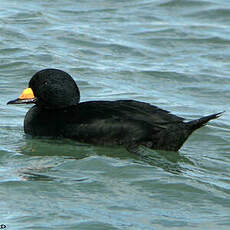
[
  {"x": 117, "y": 122},
  {"x": 125, "y": 109}
]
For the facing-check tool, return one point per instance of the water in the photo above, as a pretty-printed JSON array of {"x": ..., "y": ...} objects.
[{"x": 171, "y": 53}]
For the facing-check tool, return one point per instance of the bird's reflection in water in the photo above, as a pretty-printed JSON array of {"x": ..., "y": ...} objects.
[
  {"x": 55, "y": 147},
  {"x": 67, "y": 149},
  {"x": 169, "y": 161},
  {"x": 32, "y": 176}
]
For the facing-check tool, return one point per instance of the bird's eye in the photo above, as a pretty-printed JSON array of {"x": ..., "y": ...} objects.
[{"x": 45, "y": 83}]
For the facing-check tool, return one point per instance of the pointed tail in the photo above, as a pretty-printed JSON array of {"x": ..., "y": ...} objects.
[{"x": 196, "y": 124}]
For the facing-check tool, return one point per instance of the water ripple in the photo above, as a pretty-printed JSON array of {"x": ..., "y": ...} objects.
[{"x": 174, "y": 54}]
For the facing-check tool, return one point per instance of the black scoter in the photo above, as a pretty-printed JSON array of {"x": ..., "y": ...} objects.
[{"x": 58, "y": 113}]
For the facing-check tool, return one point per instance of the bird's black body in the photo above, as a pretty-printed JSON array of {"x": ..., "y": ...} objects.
[{"x": 124, "y": 122}]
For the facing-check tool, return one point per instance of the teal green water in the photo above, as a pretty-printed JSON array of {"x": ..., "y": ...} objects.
[{"x": 172, "y": 53}]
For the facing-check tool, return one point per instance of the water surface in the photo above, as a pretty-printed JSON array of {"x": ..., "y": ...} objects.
[{"x": 171, "y": 53}]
